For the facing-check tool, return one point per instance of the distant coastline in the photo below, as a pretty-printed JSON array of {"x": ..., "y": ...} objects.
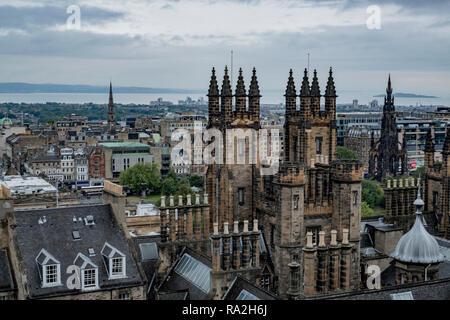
[
  {"x": 408, "y": 95},
  {"x": 21, "y": 87}
]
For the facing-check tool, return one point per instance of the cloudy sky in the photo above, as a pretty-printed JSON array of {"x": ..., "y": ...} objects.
[{"x": 175, "y": 43}]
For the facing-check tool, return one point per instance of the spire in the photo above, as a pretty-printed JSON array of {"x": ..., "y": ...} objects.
[
  {"x": 290, "y": 88},
  {"x": 226, "y": 87},
  {"x": 389, "y": 90},
  {"x": 253, "y": 91},
  {"x": 446, "y": 149},
  {"x": 429, "y": 144},
  {"x": 330, "y": 91},
  {"x": 304, "y": 91},
  {"x": 111, "y": 102},
  {"x": 213, "y": 87},
  {"x": 240, "y": 87},
  {"x": 315, "y": 90}
]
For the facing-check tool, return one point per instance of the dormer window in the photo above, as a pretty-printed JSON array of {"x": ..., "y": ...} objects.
[
  {"x": 49, "y": 269},
  {"x": 88, "y": 271},
  {"x": 115, "y": 262}
]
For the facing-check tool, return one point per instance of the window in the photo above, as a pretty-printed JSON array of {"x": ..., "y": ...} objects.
[
  {"x": 435, "y": 199},
  {"x": 90, "y": 278},
  {"x": 124, "y": 295},
  {"x": 117, "y": 266},
  {"x": 265, "y": 282},
  {"x": 51, "y": 274},
  {"x": 355, "y": 198},
  {"x": 315, "y": 234},
  {"x": 241, "y": 196},
  {"x": 296, "y": 197},
  {"x": 114, "y": 261},
  {"x": 319, "y": 145}
]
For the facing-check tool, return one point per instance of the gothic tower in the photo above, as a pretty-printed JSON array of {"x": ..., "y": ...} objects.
[
  {"x": 111, "y": 112},
  {"x": 388, "y": 157}
]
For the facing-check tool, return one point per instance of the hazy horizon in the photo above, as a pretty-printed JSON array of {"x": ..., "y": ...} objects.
[{"x": 174, "y": 44}]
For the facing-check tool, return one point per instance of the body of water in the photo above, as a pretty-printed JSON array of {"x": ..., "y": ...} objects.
[{"x": 268, "y": 97}]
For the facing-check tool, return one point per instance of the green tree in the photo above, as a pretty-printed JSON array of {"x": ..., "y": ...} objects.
[
  {"x": 196, "y": 181},
  {"x": 366, "y": 211},
  {"x": 169, "y": 186},
  {"x": 344, "y": 153},
  {"x": 184, "y": 188},
  {"x": 372, "y": 193},
  {"x": 419, "y": 172},
  {"x": 172, "y": 174},
  {"x": 140, "y": 177}
]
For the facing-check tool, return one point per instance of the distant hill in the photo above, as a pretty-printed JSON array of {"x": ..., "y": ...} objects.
[
  {"x": 20, "y": 87},
  {"x": 407, "y": 95}
]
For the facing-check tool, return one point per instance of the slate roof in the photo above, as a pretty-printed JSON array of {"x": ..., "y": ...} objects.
[
  {"x": 431, "y": 290},
  {"x": 149, "y": 265},
  {"x": 6, "y": 280},
  {"x": 174, "y": 282},
  {"x": 55, "y": 236},
  {"x": 239, "y": 284}
]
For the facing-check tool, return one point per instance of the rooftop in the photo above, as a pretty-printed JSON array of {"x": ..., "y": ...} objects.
[
  {"x": 112, "y": 145},
  {"x": 64, "y": 233},
  {"x": 27, "y": 185}
]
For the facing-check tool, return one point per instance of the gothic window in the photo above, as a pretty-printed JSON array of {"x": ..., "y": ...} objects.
[
  {"x": 319, "y": 145},
  {"x": 435, "y": 199},
  {"x": 355, "y": 198},
  {"x": 265, "y": 282},
  {"x": 241, "y": 196},
  {"x": 296, "y": 198}
]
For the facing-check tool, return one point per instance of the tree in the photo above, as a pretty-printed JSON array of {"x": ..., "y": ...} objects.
[
  {"x": 172, "y": 174},
  {"x": 372, "y": 193},
  {"x": 184, "y": 188},
  {"x": 366, "y": 211},
  {"x": 419, "y": 172},
  {"x": 196, "y": 181},
  {"x": 141, "y": 177},
  {"x": 169, "y": 186},
  {"x": 344, "y": 153}
]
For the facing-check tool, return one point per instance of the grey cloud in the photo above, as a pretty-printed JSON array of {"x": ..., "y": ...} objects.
[{"x": 32, "y": 18}]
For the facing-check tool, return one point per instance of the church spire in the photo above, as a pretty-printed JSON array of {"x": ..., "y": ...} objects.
[
  {"x": 330, "y": 91},
  {"x": 253, "y": 91},
  {"x": 226, "y": 86},
  {"x": 111, "y": 111},
  {"x": 304, "y": 91},
  {"x": 213, "y": 87},
  {"x": 315, "y": 90},
  {"x": 240, "y": 87},
  {"x": 290, "y": 88}
]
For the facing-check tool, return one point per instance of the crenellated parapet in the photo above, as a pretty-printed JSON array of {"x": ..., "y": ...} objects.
[
  {"x": 347, "y": 170},
  {"x": 399, "y": 198},
  {"x": 292, "y": 174}
]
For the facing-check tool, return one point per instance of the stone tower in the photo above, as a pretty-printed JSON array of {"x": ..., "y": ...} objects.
[
  {"x": 312, "y": 194},
  {"x": 230, "y": 177},
  {"x": 111, "y": 112},
  {"x": 388, "y": 157}
]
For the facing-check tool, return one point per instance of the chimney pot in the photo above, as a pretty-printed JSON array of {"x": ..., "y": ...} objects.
[
  {"x": 245, "y": 225},
  {"x": 197, "y": 199},
  {"x": 189, "y": 203},
  {"x": 322, "y": 239},
  {"x": 309, "y": 243},
  {"x": 345, "y": 235},
  {"x": 180, "y": 200},
  {"x": 236, "y": 227},
  {"x": 225, "y": 228},
  {"x": 255, "y": 225},
  {"x": 205, "y": 198},
  {"x": 333, "y": 238},
  {"x": 216, "y": 228},
  {"x": 171, "y": 202},
  {"x": 163, "y": 201}
]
